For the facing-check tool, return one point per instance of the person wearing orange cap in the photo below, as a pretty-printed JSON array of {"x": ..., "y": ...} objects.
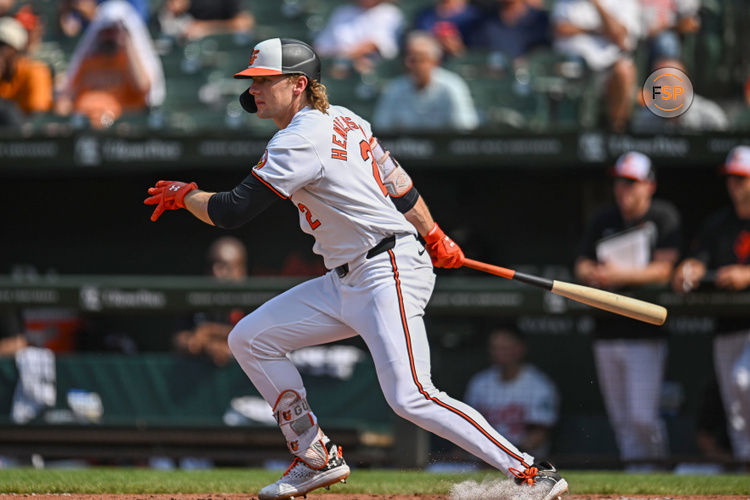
[
  {"x": 720, "y": 257},
  {"x": 633, "y": 243}
]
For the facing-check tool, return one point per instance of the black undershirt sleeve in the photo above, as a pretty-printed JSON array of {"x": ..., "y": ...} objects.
[
  {"x": 230, "y": 209},
  {"x": 406, "y": 201}
]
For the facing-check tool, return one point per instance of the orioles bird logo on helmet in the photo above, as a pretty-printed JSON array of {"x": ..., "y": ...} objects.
[{"x": 253, "y": 57}]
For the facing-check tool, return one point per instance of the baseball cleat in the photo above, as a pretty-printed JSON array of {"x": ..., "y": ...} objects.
[
  {"x": 300, "y": 479},
  {"x": 543, "y": 475}
]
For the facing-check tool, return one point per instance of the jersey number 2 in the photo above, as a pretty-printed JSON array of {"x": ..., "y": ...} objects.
[
  {"x": 364, "y": 148},
  {"x": 313, "y": 223}
]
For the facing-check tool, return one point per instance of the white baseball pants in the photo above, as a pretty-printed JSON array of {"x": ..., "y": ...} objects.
[
  {"x": 382, "y": 299},
  {"x": 732, "y": 364},
  {"x": 630, "y": 376}
]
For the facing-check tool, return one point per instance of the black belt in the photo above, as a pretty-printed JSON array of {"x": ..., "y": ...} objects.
[{"x": 385, "y": 244}]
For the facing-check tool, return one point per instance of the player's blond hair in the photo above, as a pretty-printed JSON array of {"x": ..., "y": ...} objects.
[{"x": 317, "y": 95}]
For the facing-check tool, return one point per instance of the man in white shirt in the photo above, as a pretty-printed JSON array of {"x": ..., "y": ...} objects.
[
  {"x": 361, "y": 32},
  {"x": 428, "y": 97},
  {"x": 603, "y": 33}
]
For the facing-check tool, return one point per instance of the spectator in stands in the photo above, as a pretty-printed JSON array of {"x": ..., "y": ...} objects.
[
  {"x": 25, "y": 84},
  {"x": 114, "y": 68},
  {"x": 75, "y": 16},
  {"x": 6, "y": 6},
  {"x": 194, "y": 19},
  {"x": 742, "y": 120},
  {"x": 720, "y": 256},
  {"x": 663, "y": 22},
  {"x": 633, "y": 243},
  {"x": 361, "y": 33},
  {"x": 515, "y": 397},
  {"x": 602, "y": 33},
  {"x": 427, "y": 96},
  {"x": 452, "y": 22},
  {"x": 513, "y": 28},
  {"x": 703, "y": 115},
  {"x": 34, "y": 27},
  {"x": 208, "y": 331}
]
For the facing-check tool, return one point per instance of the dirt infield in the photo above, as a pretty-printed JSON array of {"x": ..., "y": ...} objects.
[{"x": 339, "y": 496}]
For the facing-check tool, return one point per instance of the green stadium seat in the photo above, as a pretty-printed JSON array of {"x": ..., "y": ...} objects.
[
  {"x": 566, "y": 87},
  {"x": 503, "y": 103}
]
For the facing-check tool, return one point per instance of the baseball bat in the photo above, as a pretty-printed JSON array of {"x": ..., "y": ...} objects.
[{"x": 612, "y": 302}]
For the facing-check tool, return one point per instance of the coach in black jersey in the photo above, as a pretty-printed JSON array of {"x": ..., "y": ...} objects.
[
  {"x": 720, "y": 257},
  {"x": 632, "y": 243}
]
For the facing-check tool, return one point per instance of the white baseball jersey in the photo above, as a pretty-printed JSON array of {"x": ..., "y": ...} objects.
[
  {"x": 324, "y": 164},
  {"x": 511, "y": 405}
]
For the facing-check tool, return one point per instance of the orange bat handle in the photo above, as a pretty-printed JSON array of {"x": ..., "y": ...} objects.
[{"x": 489, "y": 268}]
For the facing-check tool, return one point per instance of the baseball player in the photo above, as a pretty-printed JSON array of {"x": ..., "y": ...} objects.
[
  {"x": 515, "y": 397},
  {"x": 721, "y": 254},
  {"x": 635, "y": 242},
  {"x": 364, "y": 214}
]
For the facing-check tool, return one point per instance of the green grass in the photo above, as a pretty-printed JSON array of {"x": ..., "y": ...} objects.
[{"x": 383, "y": 482}]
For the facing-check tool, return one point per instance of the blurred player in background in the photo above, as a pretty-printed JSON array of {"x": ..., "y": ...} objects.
[
  {"x": 208, "y": 330},
  {"x": 365, "y": 215},
  {"x": 721, "y": 255},
  {"x": 634, "y": 243},
  {"x": 517, "y": 399}
]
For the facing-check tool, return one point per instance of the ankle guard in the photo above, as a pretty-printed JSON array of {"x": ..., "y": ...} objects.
[{"x": 300, "y": 427}]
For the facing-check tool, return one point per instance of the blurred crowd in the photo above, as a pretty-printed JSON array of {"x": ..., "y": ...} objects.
[{"x": 404, "y": 64}]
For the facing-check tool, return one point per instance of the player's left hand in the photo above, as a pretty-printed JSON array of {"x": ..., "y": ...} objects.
[
  {"x": 168, "y": 195},
  {"x": 443, "y": 251}
]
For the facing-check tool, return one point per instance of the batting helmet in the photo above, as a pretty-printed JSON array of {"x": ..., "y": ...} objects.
[{"x": 279, "y": 56}]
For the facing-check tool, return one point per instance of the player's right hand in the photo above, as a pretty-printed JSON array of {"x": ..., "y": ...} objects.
[
  {"x": 443, "y": 251},
  {"x": 168, "y": 195}
]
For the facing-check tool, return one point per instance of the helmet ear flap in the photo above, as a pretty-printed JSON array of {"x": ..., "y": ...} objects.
[{"x": 248, "y": 101}]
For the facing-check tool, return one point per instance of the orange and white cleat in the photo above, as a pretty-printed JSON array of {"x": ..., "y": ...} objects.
[
  {"x": 300, "y": 479},
  {"x": 543, "y": 475}
]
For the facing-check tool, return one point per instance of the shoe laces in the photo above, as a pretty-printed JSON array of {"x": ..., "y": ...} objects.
[
  {"x": 294, "y": 464},
  {"x": 527, "y": 476}
]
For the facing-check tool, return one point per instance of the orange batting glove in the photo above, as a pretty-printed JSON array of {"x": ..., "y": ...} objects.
[
  {"x": 168, "y": 195},
  {"x": 443, "y": 251}
]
